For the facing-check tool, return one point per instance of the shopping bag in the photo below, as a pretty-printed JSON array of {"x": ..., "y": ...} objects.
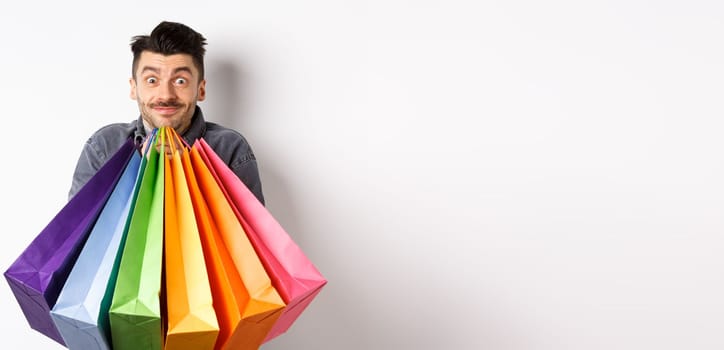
[
  {"x": 246, "y": 302},
  {"x": 224, "y": 280},
  {"x": 259, "y": 303},
  {"x": 81, "y": 311},
  {"x": 191, "y": 323},
  {"x": 293, "y": 275},
  {"x": 135, "y": 310},
  {"x": 38, "y": 274}
]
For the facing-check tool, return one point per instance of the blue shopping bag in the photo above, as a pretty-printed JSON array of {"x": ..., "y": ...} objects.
[{"x": 81, "y": 311}]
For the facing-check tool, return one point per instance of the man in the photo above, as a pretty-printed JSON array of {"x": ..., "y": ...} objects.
[{"x": 167, "y": 82}]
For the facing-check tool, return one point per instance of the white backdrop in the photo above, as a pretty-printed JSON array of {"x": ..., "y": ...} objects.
[{"x": 467, "y": 175}]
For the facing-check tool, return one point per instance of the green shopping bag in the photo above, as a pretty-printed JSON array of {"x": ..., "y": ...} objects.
[{"x": 135, "y": 311}]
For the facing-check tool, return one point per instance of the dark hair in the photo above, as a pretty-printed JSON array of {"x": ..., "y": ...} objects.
[{"x": 169, "y": 38}]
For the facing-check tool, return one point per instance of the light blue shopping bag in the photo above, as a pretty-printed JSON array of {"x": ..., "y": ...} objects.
[{"x": 81, "y": 312}]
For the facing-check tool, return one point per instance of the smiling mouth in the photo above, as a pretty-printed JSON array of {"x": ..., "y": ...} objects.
[{"x": 165, "y": 109}]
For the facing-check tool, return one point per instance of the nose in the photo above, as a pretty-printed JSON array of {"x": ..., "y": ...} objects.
[{"x": 166, "y": 91}]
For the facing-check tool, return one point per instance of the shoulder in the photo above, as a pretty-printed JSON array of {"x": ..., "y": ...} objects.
[
  {"x": 115, "y": 129},
  {"x": 217, "y": 135},
  {"x": 111, "y": 136},
  {"x": 229, "y": 144}
]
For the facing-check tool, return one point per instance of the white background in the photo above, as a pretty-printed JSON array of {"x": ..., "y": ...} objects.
[{"x": 467, "y": 175}]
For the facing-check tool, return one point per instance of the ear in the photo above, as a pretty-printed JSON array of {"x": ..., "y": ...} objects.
[
  {"x": 132, "y": 82},
  {"x": 202, "y": 91}
]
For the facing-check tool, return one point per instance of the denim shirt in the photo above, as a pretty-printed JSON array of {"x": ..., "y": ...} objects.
[{"x": 229, "y": 144}]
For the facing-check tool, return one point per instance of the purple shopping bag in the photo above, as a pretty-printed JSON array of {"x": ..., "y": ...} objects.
[{"x": 38, "y": 274}]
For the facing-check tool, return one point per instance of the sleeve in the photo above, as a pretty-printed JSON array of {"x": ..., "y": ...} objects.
[
  {"x": 246, "y": 169},
  {"x": 90, "y": 160}
]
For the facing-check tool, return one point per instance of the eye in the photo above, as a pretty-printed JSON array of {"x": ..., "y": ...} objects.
[
  {"x": 151, "y": 80},
  {"x": 180, "y": 81}
]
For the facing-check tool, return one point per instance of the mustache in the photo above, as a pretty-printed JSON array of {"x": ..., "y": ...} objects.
[{"x": 171, "y": 103}]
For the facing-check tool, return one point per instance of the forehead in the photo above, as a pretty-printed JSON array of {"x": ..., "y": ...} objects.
[{"x": 165, "y": 63}]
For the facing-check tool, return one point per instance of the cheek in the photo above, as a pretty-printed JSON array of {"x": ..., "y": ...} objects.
[
  {"x": 141, "y": 95},
  {"x": 187, "y": 96},
  {"x": 187, "y": 93}
]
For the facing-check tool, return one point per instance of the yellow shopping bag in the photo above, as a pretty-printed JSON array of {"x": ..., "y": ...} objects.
[{"x": 191, "y": 320}]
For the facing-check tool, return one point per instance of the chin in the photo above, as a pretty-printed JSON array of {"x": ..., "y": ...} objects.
[{"x": 162, "y": 122}]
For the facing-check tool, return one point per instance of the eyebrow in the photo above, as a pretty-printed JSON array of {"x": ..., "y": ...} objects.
[{"x": 175, "y": 71}]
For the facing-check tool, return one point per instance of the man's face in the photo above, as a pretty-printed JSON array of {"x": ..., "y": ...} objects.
[{"x": 167, "y": 89}]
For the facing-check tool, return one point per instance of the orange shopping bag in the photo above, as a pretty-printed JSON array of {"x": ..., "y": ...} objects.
[
  {"x": 246, "y": 302},
  {"x": 191, "y": 319}
]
